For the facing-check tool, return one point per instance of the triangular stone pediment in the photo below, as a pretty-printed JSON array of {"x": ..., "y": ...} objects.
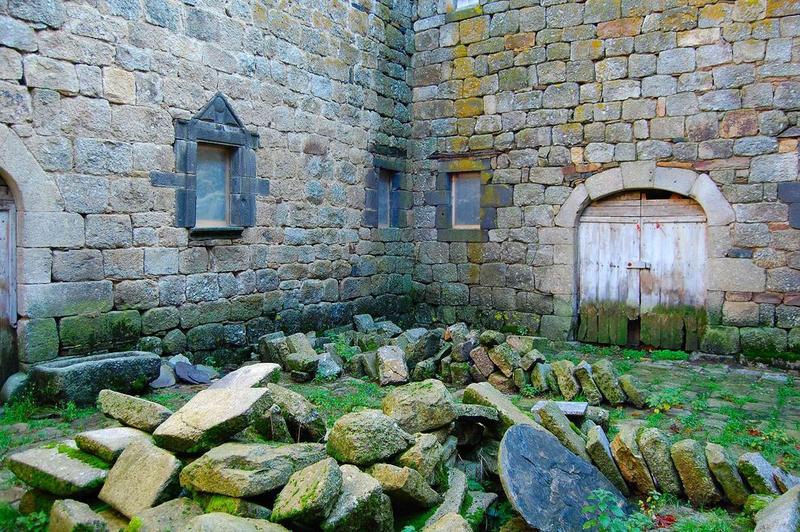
[{"x": 219, "y": 111}]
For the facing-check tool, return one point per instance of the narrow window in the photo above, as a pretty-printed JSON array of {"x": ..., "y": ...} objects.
[
  {"x": 466, "y": 4},
  {"x": 466, "y": 200},
  {"x": 213, "y": 185},
  {"x": 384, "y": 197}
]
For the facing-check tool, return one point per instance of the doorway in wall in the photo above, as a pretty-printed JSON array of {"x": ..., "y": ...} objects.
[
  {"x": 641, "y": 264},
  {"x": 8, "y": 283}
]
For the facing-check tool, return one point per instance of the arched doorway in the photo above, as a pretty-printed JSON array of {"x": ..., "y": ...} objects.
[
  {"x": 641, "y": 270},
  {"x": 8, "y": 282}
]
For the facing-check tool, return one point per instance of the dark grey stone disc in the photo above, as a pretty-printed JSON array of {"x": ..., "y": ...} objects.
[
  {"x": 189, "y": 373},
  {"x": 165, "y": 379},
  {"x": 546, "y": 483}
]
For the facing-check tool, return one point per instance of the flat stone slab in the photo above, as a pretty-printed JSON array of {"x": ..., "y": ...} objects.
[
  {"x": 545, "y": 483},
  {"x": 55, "y": 471},
  {"x": 170, "y": 515},
  {"x": 80, "y": 379},
  {"x": 476, "y": 412},
  {"x": 108, "y": 444},
  {"x": 782, "y": 514},
  {"x": 132, "y": 411},
  {"x": 69, "y": 515},
  {"x": 217, "y": 521},
  {"x": 485, "y": 394},
  {"x": 568, "y": 408},
  {"x": 211, "y": 417},
  {"x": 453, "y": 498},
  {"x": 252, "y": 376},
  {"x": 165, "y": 379},
  {"x": 191, "y": 373},
  {"x": 143, "y": 476},
  {"x": 248, "y": 470}
]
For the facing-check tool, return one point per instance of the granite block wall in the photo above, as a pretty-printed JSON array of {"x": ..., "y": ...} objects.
[
  {"x": 89, "y": 95},
  {"x": 570, "y": 101}
]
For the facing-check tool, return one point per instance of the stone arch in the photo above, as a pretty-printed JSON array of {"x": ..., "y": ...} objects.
[
  {"x": 643, "y": 176},
  {"x": 34, "y": 190}
]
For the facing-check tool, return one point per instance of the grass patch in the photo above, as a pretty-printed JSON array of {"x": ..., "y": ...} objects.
[
  {"x": 13, "y": 521},
  {"x": 334, "y": 403},
  {"x": 668, "y": 354}
]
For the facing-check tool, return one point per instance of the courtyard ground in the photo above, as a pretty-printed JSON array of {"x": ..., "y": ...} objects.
[{"x": 741, "y": 408}]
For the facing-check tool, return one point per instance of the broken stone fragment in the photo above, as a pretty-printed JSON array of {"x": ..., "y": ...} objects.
[
  {"x": 530, "y": 358},
  {"x": 217, "y": 521},
  {"x": 143, "y": 476},
  {"x": 633, "y": 390},
  {"x": 302, "y": 417},
  {"x": 309, "y": 494},
  {"x": 132, "y": 411},
  {"x": 456, "y": 333},
  {"x": 505, "y": 358},
  {"x": 250, "y": 376},
  {"x": 452, "y": 522},
  {"x": 599, "y": 450},
  {"x": 211, "y": 417},
  {"x": 68, "y": 515},
  {"x": 690, "y": 461},
  {"x": 605, "y": 377},
  {"x": 567, "y": 384},
  {"x": 655, "y": 448},
  {"x": 491, "y": 338},
  {"x": 361, "y": 504},
  {"x": 248, "y": 470},
  {"x": 502, "y": 383},
  {"x": 460, "y": 374},
  {"x": 108, "y": 444},
  {"x": 453, "y": 498},
  {"x": 758, "y": 473},
  {"x": 366, "y": 437},
  {"x": 540, "y": 374},
  {"x": 392, "y": 367},
  {"x": 483, "y": 393},
  {"x": 781, "y": 514},
  {"x": 724, "y": 470},
  {"x": 583, "y": 374},
  {"x": 630, "y": 461},
  {"x": 273, "y": 348},
  {"x": 425, "y": 457},
  {"x": 273, "y": 426},
  {"x": 59, "y": 470},
  {"x": 420, "y": 406},
  {"x": 170, "y": 515},
  {"x": 480, "y": 357},
  {"x": 557, "y": 423},
  {"x": 364, "y": 323},
  {"x": 404, "y": 485}
]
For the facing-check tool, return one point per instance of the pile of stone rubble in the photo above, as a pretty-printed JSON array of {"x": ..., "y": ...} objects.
[
  {"x": 249, "y": 454},
  {"x": 387, "y": 354}
]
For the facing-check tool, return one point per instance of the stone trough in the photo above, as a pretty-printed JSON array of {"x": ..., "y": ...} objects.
[{"x": 80, "y": 379}]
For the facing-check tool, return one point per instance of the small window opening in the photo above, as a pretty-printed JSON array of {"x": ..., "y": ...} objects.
[
  {"x": 657, "y": 194},
  {"x": 384, "y": 197},
  {"x": 466, "y": 200},
  {"x": 213, "y": 185},
  {"x": 465, "y": 4}
]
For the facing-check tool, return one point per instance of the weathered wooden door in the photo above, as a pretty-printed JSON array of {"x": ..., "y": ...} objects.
[
  {"x": 8, "y": 298},
  {"x": 641, "y": 269}
]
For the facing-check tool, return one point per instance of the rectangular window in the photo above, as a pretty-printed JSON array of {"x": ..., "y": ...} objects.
[
  {"x": 466, "y": 4},
  {"x": 213, "y": 185},
  {"x": 384, "y": 197},
  {"x": 465, "y": 200}
]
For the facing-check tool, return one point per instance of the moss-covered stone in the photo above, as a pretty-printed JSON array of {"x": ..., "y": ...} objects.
[
  {"x": 655, "y": 448},
  {"x": 132, "y": 411},
  {"x": 37, "y": 340},
  {"x": 425, "y": 457},
  {"x": 505, "y": 358},
  {"x": 404, "y": 485},
  {"x": 554, "y": 420},
  {"x": 213, "y": 502},
  {"x": 599, "y": 450},
  {"x": 720, "y": 340},
  {"x": 108, "y": 444},
  {"x": 420, "y": 406},
  {"x": 631, "y": 463},
  {"x": 567, "y": 383},
  {"x": 763, "y": 342},
  {"x": 755, "y": 469},
  {"x": 633, "y": 390},
  {"x": 309, "y": 494},
  {"x": 88, "y": 333},
  {"x": 583, "y": 373},
  {"x": 606, "y": 379},
  {"x": 366, "y": 437},
  {"x": 690, "y": 461},
  {"x": 170, "y": 515},
  {"x": 361, "y": 504},
  {"x": 56, "y": 472},
  {"x": 74, "y": 516},
  {"x": 485, "y": 394},
  {"x": 724, "y": 470}
]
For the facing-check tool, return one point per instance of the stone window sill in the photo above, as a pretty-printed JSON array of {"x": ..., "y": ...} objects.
[
  {"x": 462, "y": 235},
  {"x": 231, "y": 231}
]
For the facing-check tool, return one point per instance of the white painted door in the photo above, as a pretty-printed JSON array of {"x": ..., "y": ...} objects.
[{"x": 642, "y": 274}]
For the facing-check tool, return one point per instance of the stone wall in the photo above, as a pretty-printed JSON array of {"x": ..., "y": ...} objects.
[
  {"x": 89, "y": 92},
  {"x": 546, "y": 94}
]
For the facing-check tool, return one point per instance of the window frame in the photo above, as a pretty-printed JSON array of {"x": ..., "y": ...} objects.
[
  {"x": 216, "y": 124},
  {"x": 455, "y": 177},
  {"x": 399, "y": 202},
  {"x": 227, "y": 184}
]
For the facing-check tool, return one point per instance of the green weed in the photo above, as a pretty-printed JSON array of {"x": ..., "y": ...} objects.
[{"x": 668, "y": 354}]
